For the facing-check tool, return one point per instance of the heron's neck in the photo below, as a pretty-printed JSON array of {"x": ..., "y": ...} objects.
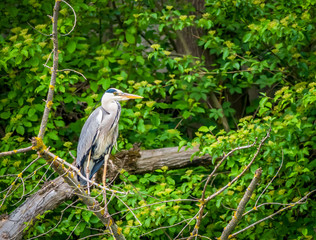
[{"x": 110, "y": 106}]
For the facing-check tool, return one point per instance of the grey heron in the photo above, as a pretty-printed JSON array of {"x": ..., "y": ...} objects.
[{"x": 99, "y": 134}]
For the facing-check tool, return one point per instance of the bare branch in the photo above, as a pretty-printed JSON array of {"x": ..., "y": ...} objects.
[
  {"x": 272, "y": 215},
  {"x": 241, "y": 206},
  {"x": 72, "y": 169},
  {"x": 64, "y": 70},
  {"x": 270, "y": 181},
  {"x": 164, "y": 227},
  {"x": 47, "y": 35},
  {"x": 73, "y": 27},
  {"x": 46, "y": 198},
  {"x": 245, "y": 169},
  {"x": 21, "y": 150},
  {"x": 70, "y": 178},
  {"x": 51, "y": 88},
  {"x": 204, "y": 200}
]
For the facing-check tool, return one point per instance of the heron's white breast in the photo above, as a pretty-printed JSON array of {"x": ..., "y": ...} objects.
[{"x": 106, "y": 134}]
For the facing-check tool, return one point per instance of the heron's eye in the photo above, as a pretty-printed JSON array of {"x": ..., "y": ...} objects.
[{"x": 115, "y": 93}]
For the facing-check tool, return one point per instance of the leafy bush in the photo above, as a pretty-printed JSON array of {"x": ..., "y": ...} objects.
[{"x": 245, "y": 47}]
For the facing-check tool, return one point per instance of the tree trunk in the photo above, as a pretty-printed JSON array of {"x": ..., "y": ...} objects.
[{"x": 57, "y": 191}]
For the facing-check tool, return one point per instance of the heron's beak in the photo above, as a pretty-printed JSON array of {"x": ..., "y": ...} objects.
[{"x": 127, "y": 96}]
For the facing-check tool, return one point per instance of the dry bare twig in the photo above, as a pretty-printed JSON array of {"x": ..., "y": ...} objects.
[
  {"x": 272, "y": 215},
  {"x": 241, "y": 206},
  {"x": 50, "y": 95},
  {"x": 21, "y": 150},
  {"x": 270, "y": 182},
  {"x": 204, "y": 200}
]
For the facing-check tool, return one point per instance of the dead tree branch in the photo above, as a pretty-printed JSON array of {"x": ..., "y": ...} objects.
[
  {"x": 50, "y": 95},
  {"x": 22, "y": 150},
  {"x": 204, "y": 199},
  {"x": 241, "y": 206},
  {"x": 276, "y": 213},
  {"x": 49, "y": 197}
]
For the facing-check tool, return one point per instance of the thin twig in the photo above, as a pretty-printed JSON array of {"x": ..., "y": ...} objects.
[
  {"x": 164, "y": 227},
  {"x": 245, "y": 169},
  {"x": 77, "y": 171},
  {"x": 272, "y": 215},
  {"x": 47, "y": 35},
  {"x": 21, "y": 150},
  {"x": 19, "y": 176},
  {"x": 75, "y": 22},
  {"x": 268, "y": 203},
  {"x": 64, "y": 70},
  {"x": 270, "y": 181},
  {"x": 202, "y": 200},
  {"x": 195, "y": 217},
  {"x": 74, "y": 229},
  {"x": 130, "y": 210},
  {"x": 47, "y": 60}
]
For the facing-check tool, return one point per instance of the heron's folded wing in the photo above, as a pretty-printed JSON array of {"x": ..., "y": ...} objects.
[{"x": 89, "y": 134}]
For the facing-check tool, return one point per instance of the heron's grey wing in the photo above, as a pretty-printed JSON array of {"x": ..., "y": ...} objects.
[{"x": 89, "y": 134}]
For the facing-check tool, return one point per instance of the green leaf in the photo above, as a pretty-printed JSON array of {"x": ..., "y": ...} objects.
[
  {"x": 218, "y": 202},
  {"x": 263, "y": 101},
  {"x": 53, "y": 135},
  {"x": 236, "y": 65},
  {"x": 20, "y": 130},
  {"x": 304, "y": 231},
  {"x": 31, "y": 112},
  {"x": 225, "y": 53},
  {"x": 80, "y": 228},
  {"x": 186, "y": 114},
  {"x": 172, "y": 220},
  {"x": 94, "y": 219},
  {"x": 71, "y": 46},
  {"x": 140, "y": 60},
  {"x": 105, "y": 83},
  {"x": 5, "y": 115},
  {"x": 204, "y": 129},
  {"x": 27, "y": 124},
  {"x": 247, "y": 37},
  {"x": 86, "y": 215},
  {"x": 141, "y": 126},
  {"x": 59, "y": 123},
  {"x": 171, "y": 181},
  {"x": 94, "y": 86},
  {"x": 130, "y": 38},
  {"x": 132, "y": 178},
  {"x": 155, "y": 119}
]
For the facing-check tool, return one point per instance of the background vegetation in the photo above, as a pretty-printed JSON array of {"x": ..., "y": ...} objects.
[{"x": 212, "y": 73}]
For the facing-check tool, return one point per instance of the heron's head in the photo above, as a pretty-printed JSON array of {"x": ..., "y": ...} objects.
[{"x": 118, "y": 95}]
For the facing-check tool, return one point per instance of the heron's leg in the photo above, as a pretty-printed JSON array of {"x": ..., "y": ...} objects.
[
  {"x": 106, "y": 157},
  {"x": 88, "y": 172}
]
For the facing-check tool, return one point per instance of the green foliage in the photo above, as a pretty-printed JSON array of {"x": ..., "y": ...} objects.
[{"x": 133, "y": 45}]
